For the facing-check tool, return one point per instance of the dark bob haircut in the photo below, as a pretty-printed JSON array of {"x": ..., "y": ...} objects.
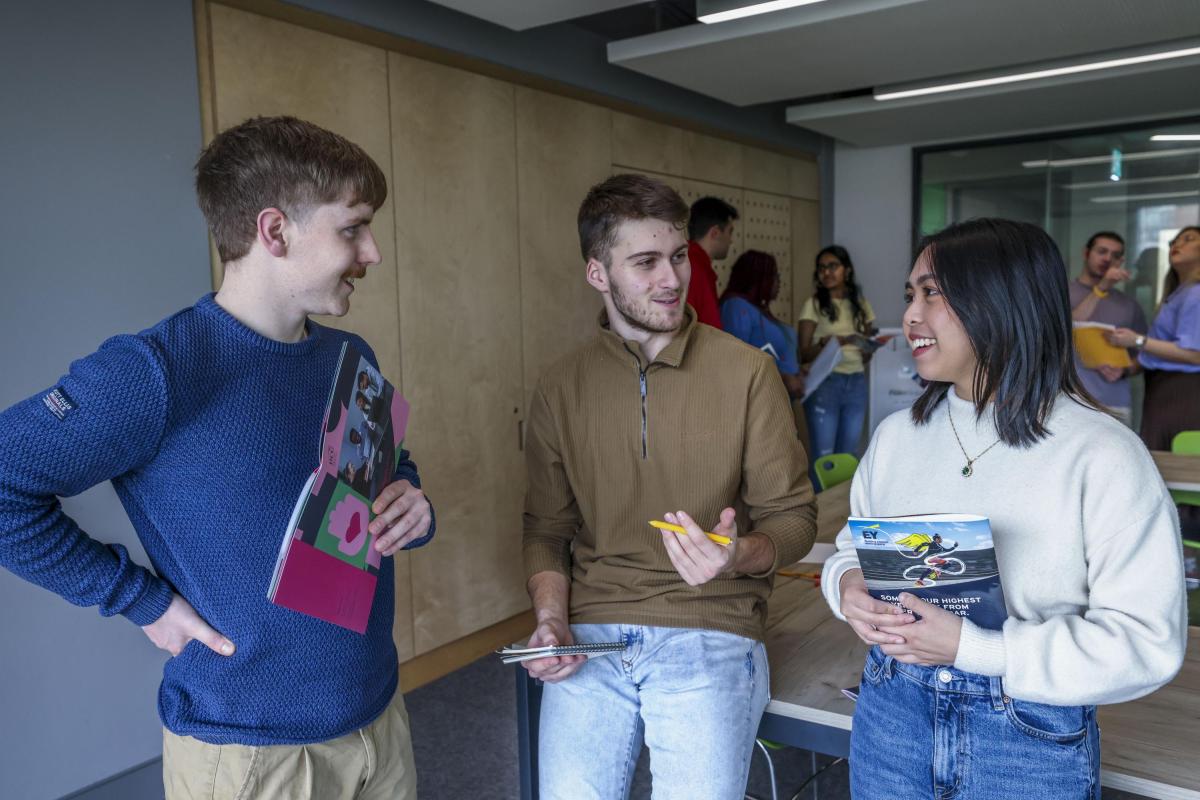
[{"x": 1007, "y": 284}]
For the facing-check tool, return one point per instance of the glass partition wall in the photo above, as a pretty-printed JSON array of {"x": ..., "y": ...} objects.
[{"x": 1143, "y": 183}]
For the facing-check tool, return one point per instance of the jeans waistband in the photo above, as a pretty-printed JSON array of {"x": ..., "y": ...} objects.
[{"x": 942, "y": 678}]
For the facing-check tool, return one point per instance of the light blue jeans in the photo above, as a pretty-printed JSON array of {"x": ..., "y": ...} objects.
[
  {"x": 835, "y": 412},
  {"x": 695, "y": 696},
  {"x": 940, "y": 733}
]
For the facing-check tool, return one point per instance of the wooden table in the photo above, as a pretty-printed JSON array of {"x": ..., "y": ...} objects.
[
  {"x": 1179, "y": 472},
  {"x": 1149, "y": 746}
]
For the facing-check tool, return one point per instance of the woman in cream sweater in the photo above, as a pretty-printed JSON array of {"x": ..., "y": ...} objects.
[{"x": 1085, "y": 533}]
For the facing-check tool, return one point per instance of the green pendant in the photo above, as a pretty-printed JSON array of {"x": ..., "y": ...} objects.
[{"x": 966, "y": 471}]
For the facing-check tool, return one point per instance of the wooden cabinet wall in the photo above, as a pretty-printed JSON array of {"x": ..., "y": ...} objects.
[{"x": 482, "y": 284}]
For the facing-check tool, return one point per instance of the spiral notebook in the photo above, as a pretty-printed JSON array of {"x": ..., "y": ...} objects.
[{"x": 515, "y": 653}]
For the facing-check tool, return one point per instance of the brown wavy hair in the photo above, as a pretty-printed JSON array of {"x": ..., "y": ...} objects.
[{"x": 278, "y": 162}]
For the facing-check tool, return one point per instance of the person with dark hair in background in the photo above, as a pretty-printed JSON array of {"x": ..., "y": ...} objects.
[
  {"x": 710, "y": 234},
  {"x": 655, "y": 413},
  {"x": 1093, "y": 299},
  {"x": 837, "y": 408},
  {"x": 1170, "y": 353},
  {"x": 746, "y": 314},
  {"x": 1085, "y": 533},
  {"x": 206, "y": 425}
]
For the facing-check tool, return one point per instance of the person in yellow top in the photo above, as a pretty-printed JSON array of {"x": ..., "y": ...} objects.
[{"x": 837, "y": 407}]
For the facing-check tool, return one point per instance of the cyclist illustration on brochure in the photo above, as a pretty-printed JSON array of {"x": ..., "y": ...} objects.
[
  {"x": 948, "y": 560},
  {"x": 932, "y": 551}
]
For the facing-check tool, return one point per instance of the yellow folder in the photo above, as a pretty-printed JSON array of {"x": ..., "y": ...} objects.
[{"x": 1094, "y": 350}]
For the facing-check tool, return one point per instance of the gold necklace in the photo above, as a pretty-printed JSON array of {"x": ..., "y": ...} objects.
[{"x": 967, "y": 471}]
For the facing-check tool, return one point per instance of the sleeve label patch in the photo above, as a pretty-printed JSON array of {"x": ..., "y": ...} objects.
[{"x": 59, "y": 402}]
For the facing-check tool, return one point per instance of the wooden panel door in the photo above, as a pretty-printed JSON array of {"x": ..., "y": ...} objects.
[
  {"x": 708, "y": 158},
  {"x": 806, "y": 241},
  {"x": 639, "y": 144},
  {"x": 804, "y": 179},
  {"x": 563, "y": 149},
  {"x": 766, "y": 171},
  {"x": 767, "y": 222},
  {"x": 455, "y": 179},
  {"x": 340, "y": 85}
]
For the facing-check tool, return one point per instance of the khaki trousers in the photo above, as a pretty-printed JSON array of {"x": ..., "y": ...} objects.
[{"x": 372, "y": 763}]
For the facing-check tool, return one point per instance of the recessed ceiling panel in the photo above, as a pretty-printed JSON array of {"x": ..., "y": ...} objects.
[
  {"x": 1101, "y": 102},
  {"x": 522, "y": 14},
  {"x": 846, "y": 45}
]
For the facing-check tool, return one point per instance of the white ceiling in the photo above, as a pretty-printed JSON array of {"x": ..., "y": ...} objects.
[
  {"x": 522, "y": 14},
  {"x": 842, "y": 45},
  {"x": 824, "y": 60}
]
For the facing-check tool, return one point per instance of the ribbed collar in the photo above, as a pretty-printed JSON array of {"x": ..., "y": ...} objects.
[
  {"x": 231, "y": 326},
  {"x": 671, "y": 355}
]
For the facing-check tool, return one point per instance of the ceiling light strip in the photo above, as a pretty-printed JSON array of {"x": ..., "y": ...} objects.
[
  {"x": 752, "y": 10},
  {"x": 1125, "y": 198},
  {"x": 1079, "y": 162},
  {"x": 1036, "y": 74},
  {"x": 1175, "y": 137},
  {"x": 1191, "y": 176}
]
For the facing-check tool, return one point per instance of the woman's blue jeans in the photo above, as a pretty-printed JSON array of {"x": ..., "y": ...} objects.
[
  {"x": 938, "y": 733},
  {"x": 835, "y": 412}
]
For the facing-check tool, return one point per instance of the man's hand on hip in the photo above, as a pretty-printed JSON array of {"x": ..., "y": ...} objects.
[{"x": 180, "y": 625}]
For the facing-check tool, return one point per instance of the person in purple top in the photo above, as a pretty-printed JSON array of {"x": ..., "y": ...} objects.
[
  {"x": 1170, "y": 353},
  {"x": 208, "y": 425}
]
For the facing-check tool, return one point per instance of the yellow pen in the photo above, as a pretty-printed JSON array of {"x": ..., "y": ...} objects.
[{"x": 666, "y": 526}]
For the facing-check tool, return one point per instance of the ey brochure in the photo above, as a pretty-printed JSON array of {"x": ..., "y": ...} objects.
[
  {"x": 327, "y": 567},
  {"x": 948, "y": 560}
]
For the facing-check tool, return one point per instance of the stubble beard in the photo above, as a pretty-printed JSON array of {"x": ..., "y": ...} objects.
[{"x": 641, "y": 319}]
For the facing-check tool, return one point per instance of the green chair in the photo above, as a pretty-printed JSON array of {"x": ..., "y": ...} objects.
[
  {"x": 1186, "y": 443},
  {"x": 834, "y": 469}
]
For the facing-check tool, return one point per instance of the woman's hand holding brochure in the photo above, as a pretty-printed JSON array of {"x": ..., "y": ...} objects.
[
  {"x": 866, "y": 614},
  {"x": 931, "y": 640}
]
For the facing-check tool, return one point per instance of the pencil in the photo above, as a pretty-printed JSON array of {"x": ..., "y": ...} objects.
[{"x": 666, "y": 526}]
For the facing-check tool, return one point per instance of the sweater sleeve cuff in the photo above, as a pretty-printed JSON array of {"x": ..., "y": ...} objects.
[
  {"x": 980, "y": 650},
  {"x": 424, "y": 540},
  {"x": 547, "y": 557},
  {"x": 831, "y": 583},
  {"x": 790, "y": 546},
  {"x": 152, "y": 603}
]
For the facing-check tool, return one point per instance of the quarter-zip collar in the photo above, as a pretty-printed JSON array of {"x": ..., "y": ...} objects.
[{"x": 671, "y": 355}]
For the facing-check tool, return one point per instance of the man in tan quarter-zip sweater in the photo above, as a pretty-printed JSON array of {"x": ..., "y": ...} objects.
[{"x": 657, "y": 417}]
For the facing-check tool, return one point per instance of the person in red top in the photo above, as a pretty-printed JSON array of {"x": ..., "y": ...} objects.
[{"x": 710, "y": 231}]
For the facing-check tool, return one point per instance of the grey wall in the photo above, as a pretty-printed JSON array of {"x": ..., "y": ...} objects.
[
  {"x": 100, "y": 235},
  {"x": 872, "y": 218}
]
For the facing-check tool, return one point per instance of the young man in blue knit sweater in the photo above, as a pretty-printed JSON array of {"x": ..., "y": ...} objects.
[{"x": 208, "y": 425}]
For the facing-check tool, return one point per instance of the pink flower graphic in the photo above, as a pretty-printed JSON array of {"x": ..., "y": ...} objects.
[{"x": 348, "y": 522}]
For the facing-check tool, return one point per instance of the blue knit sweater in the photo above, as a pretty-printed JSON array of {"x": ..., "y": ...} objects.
[{"x": 208, "y": 432}]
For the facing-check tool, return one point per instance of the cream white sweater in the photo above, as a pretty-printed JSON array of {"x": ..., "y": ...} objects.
[{"x": 1086, "y": 536}]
